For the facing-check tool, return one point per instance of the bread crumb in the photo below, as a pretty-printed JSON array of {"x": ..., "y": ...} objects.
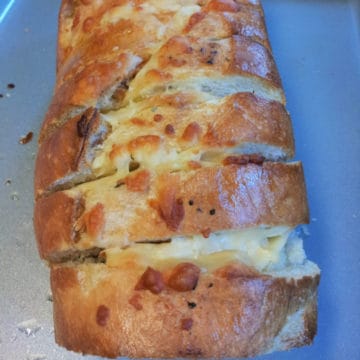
[
  {"x": 14, "y": 196},
  {"x": 26, "y": 138}
]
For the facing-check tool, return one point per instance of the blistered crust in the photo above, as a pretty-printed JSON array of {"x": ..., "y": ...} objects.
[
  {"x": 224, "y": 316},
  {"x": 145, "y": 207}
]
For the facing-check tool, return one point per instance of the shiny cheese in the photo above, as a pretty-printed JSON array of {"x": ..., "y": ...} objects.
[{"x": 265, "y": 249}]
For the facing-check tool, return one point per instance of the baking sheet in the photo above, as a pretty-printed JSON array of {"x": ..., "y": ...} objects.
[{"x": 317, "y": 48}]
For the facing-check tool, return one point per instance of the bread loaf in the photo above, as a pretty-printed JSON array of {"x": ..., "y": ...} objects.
[{"x": 167, "y": 205}]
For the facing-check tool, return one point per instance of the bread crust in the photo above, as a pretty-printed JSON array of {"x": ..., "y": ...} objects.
[
  {"x": 54, "y": 221},
  {"x": 236, "y": 316},
  {"x": 172, "y": 204},
  {"x": 70, "y": 150},
  {"x": 86, "y": 88},
  {"x": 227, "y": 20}
]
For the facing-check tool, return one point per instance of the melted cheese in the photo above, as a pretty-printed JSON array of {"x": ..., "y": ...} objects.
[
  {"x": 117, "y": 13},
  {"x": 265, "y": 249}
]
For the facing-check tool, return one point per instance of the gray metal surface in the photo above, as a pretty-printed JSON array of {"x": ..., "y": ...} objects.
[{"x": 317, "y": 48}]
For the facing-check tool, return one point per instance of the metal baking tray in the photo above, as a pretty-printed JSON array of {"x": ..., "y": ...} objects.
[{"x": 317, "y": 48}]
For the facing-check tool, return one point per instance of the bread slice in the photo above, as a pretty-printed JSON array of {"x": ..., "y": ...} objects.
[
  {"x": 166, "y": 130},
  {"x": 166, "y": 202},
  {"x": 145, "y": 206},
  {"x": 232, "y": 312}
]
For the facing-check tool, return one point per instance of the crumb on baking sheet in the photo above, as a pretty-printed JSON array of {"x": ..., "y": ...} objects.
[
  {"x": 11, "y": 86},
  {"x": 14, "y": 196},
  {"x": 7, "y": 182},
  {"x": 26, "y": 138},
  {"x": 29, "y": 327},
  {"x": 35, "y": 356}
]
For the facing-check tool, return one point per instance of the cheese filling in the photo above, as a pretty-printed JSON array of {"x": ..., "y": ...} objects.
[{"x": 265, "y": 249}]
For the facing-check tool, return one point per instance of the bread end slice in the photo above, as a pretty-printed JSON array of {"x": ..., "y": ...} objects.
[{"x": 231, "y": 312}]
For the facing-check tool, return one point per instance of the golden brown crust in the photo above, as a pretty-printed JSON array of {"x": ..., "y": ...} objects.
[
  {"x": 89, "y": 32},
  {"x": 233, "y": 19},
  {"x": 174, "y": 204},
  {"x": 236, "y": 317},
  {"x": 66, "y": 156},
  {"x": 92, "y": 29},
  {"x": 248, "y": 118},
  {"x": 85, "y": 89},
  {"x": 51, "y": 212},
  {"x": 234, "y": 55}
]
